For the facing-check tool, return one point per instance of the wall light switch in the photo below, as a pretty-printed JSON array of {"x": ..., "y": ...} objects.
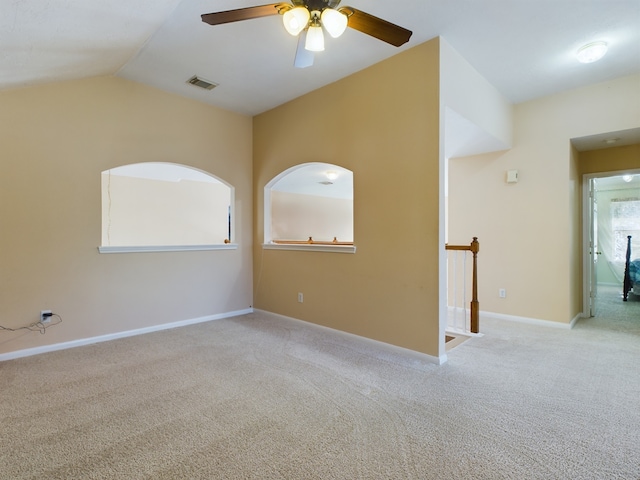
[{"x": 512, "y": 176}]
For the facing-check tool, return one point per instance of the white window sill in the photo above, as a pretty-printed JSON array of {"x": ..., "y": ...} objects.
[
  {"x": 310, "y": 248},
  {"x": 168, "y": 248}
]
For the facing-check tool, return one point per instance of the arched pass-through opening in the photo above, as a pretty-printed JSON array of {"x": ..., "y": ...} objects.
[
  {"x": 165, "y": 206},
  {"x": 310, "y": 206}
]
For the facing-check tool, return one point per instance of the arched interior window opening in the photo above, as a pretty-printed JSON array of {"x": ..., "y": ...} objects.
[
  {"x": 311, "y": 203},
  {"x": 164, "y": 204}
]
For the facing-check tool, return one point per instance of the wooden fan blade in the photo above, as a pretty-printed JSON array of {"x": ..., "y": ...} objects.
[
  {"x": 304, "y": 57},
  {"x": 376, "y": 27},
  {"x": 228, "y": 16}
]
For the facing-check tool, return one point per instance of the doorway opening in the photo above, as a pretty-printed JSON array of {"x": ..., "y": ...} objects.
[{"x": 611, "y": 214}]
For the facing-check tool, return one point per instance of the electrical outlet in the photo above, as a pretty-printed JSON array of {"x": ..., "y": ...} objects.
[
  {"x": 300, "y": 297},
  {"x": 502, "y": 293},
  {"x": 45, "y": 316}
]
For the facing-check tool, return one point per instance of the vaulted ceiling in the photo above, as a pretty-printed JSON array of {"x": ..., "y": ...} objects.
[{"x": 525, "y": 48}]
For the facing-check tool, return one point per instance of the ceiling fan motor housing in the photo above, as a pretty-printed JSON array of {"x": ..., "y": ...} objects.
[
  {"x": 318, "y": 5},
  {"x": 358, "y": 20}
]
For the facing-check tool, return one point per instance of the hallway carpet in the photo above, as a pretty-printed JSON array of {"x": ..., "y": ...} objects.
[{"x": 262, "y": 397}]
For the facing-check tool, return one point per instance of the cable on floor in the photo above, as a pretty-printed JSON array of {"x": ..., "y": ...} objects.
[{"x": 37, "y": 326}]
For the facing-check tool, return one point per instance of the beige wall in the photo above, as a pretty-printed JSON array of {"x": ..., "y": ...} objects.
[
  {"x": 530, "y": 238},
  {"x": 383, "y": 124},
  {"x": 55, "y": 141},
  {"x": 143, "y": 211},
  {"x": 295, "y": 216},
  {"x": 576, "y": 263},
  {"x": 613, "y": 159}
]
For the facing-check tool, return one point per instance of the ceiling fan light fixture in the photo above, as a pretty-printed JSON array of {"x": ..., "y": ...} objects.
[
  {"x": 315, "y": 37},
  {"x": 334, "y": 22},
  {"x": 315, "y": 40},
  {"x": 296, "y": 20},
  {"x": 591, "y": 52}
]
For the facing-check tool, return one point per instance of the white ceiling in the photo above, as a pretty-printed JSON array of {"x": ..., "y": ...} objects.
[
  {"x": 525, "y": 48},
  {"x": 311, "y": 179},
  {"x": 618, "y": 182},
  {"x": 166, "y": 172}
]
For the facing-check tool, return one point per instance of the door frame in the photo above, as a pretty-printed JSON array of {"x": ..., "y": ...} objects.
[{"x": 587, "y": 254}]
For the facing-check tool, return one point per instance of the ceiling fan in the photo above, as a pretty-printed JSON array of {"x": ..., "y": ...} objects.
[{"x": 306, "y": 19}]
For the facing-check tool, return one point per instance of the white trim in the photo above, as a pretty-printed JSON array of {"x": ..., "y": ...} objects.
[
  {"x": 167, "y": 248},
  {"x": 532, "y": 321},
  {"x": 457, "y": 331},
  {"x": 414, "y": 357},
  {"x": 310, "y": 248},
  {"x": 579, "y": 316},
  {"x": 165, "y": 171},
  {"x": 587, "y": 261},
  {"x": 114, "y": 336},
  {"x": 266, "y": 207}
]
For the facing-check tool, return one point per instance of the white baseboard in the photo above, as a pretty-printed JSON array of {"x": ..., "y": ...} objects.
[
  {"x": 113, "y": 336},
  {"x": 576, "y": 318},
  {"x": 464, "y": 333},
  {"x": 405, "y": 352},
  {"x": 531, "y": 321}
]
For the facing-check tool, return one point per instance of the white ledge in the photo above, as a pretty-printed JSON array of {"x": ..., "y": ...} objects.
[
  {"x": 310, "y": 247},
  {"x": 167, "y": 248}
]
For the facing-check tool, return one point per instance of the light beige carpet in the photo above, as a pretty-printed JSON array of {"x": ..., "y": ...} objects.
[{"x": 260, "y": 397}]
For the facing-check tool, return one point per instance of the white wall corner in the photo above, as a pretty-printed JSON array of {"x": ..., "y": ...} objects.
[{"x": 473, "y": 98}]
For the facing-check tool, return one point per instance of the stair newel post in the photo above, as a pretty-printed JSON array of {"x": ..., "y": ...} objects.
[{"x": 475, "y": 305}]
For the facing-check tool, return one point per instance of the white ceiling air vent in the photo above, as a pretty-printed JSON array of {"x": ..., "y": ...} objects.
[{"x": 199, "y": 82}]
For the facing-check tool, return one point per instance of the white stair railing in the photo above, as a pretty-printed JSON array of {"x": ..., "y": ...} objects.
[{"x": 462, "y": 277}]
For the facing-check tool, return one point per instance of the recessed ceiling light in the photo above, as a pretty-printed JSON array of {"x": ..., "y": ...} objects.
[
  {"x": 591, "y": 52},
  {"x": 611, "y": 141},
  {"x": 627, "y": 178}
]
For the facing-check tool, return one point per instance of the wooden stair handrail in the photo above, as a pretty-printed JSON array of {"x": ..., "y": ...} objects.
[
  {"x": 310, "y": 241},
  {"x": 474, "y": 248}
]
